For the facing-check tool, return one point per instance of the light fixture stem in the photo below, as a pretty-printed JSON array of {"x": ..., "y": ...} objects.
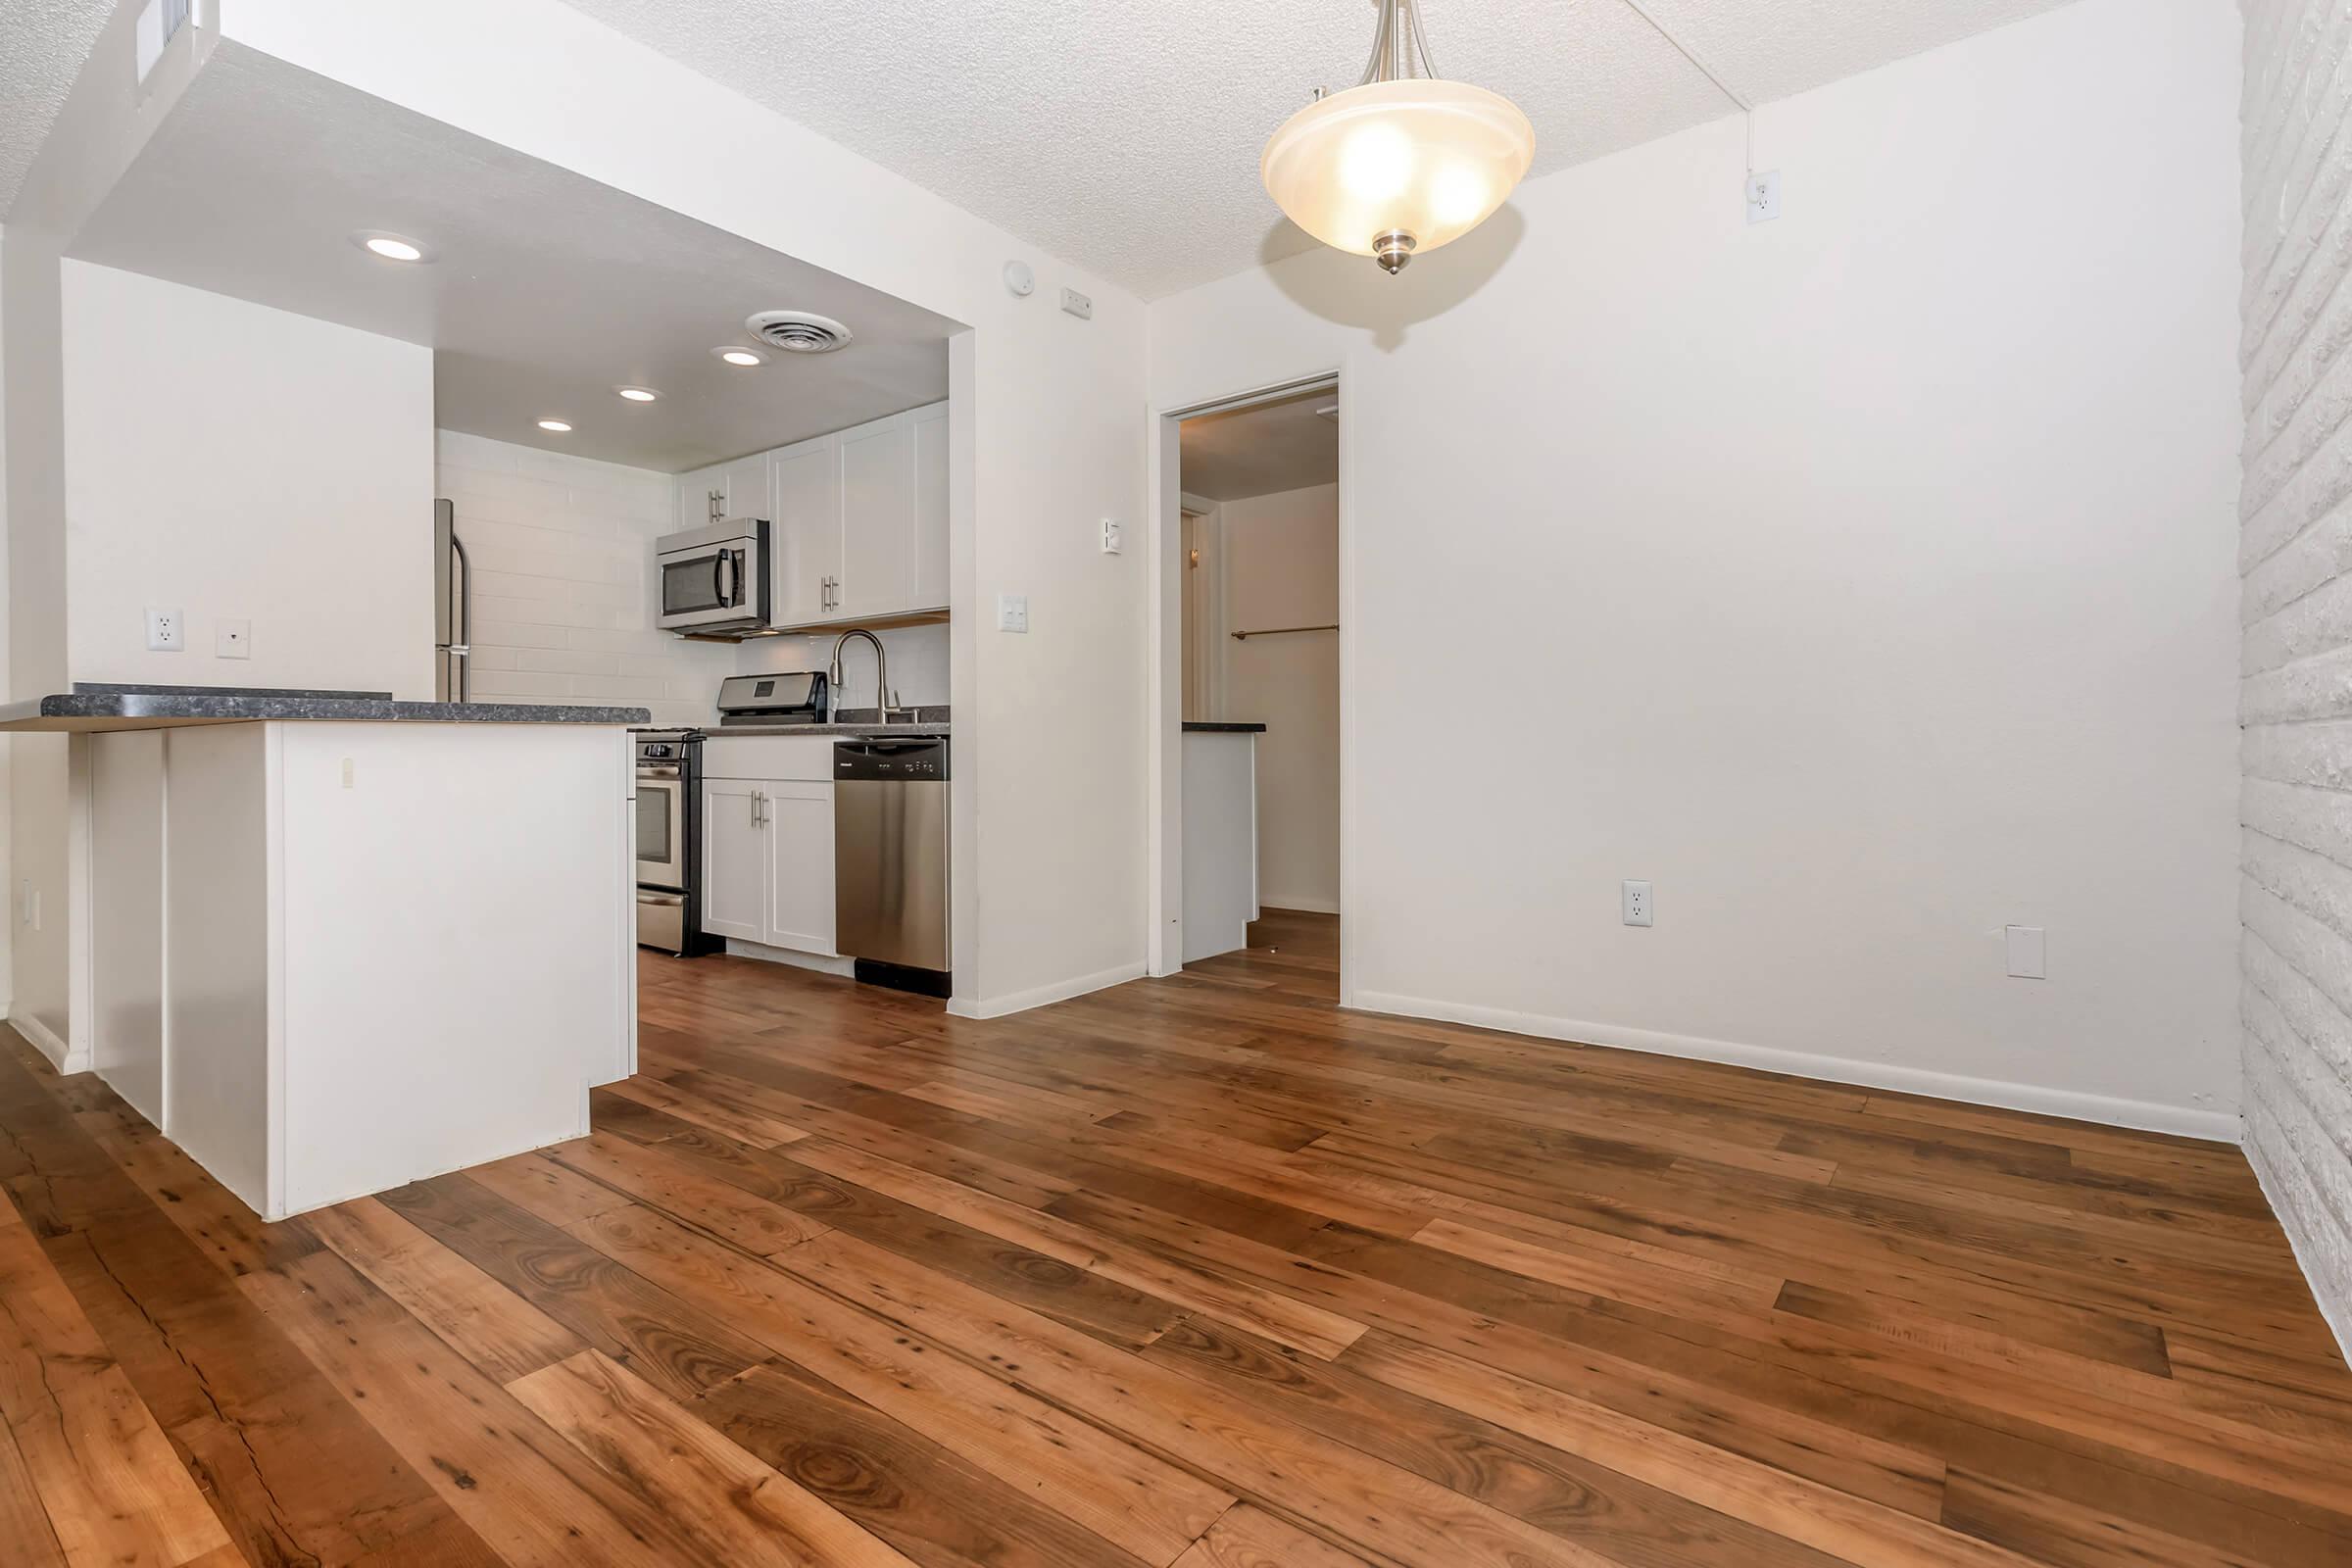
[{"x": 1399, "y": 45}]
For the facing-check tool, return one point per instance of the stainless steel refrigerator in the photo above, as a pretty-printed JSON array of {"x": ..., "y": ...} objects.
[{"x": 452, "y": 609}]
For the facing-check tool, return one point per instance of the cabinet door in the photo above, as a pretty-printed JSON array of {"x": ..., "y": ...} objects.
[
  {"x": 877, "y": 517},
  {"x": 734, "y": 859},
  {"x": 694, "y": 496},
  {"x": 799, "y": 846},
  {"x": 805, "y": 488},
  {"x": 930, "y": 577},
  {"x": 747, "y": 487}
]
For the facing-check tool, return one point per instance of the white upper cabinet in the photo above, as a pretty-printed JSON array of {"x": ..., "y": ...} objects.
[
  {"x": 862, "y": 522},
  {"x": 877, "y": 519},
  {"x": 748, "y": 488},
  {"x": 930, "y": 430},
  {"x": 804, "y": 541},
  {"x": 701, "y": 491}
]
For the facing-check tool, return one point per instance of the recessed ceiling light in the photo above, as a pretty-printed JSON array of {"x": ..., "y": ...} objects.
[
  {"x": 637, "y": 394},
  {"x": 560, "y": 426},
  {"x": 741, "y": 355},
  {"x": 391, "y": 247}
]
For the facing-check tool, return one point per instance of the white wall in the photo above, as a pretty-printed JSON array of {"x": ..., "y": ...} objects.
[
  {"x": 1862, "y": 579},
  {"x": 2296, "y": 602},
  {"x": 563, "y": 581},
  {"x": 1281, "y": 565},
  {"x": 105, "y": 120},
  {"x": 233, "y": 461},
  {"x": 1048, "y": 832}
]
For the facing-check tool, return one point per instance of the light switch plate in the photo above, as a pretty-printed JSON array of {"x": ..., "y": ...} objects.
[
  {"x": 2029, "y": 951},
  {"x": 1012, "y": 612},
  {"x": 1113, "y": 536},
  {"x": 233, "y": 639}
]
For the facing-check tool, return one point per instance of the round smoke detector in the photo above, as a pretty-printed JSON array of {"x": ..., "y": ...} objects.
[{"x": 798, "y": 331}]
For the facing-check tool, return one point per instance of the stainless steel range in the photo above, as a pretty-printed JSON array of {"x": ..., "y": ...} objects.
[{"x": 670, "y": 842}]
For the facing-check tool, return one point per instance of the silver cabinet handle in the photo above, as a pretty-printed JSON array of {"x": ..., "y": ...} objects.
[{"x": 754, "y": 799}]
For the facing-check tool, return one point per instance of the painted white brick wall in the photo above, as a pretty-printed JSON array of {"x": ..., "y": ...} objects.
[
  {"x": 2295, "y": 556},
  {"x": 563, "y": 581}
]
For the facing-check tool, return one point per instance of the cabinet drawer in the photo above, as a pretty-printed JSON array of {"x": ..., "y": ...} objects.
[{"x": 806, "y": 758}]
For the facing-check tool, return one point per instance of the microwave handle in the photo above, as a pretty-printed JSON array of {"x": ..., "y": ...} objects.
[{"x": 726, "y": 578}]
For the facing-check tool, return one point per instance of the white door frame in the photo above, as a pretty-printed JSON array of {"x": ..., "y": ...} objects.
[{"x": 1164, "y": 661}]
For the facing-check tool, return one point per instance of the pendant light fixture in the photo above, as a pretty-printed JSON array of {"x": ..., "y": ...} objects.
[{"x": 1402, "y": 162}]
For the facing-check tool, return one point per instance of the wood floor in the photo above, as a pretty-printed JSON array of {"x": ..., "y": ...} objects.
[{"x": 1197, "y": 1271}]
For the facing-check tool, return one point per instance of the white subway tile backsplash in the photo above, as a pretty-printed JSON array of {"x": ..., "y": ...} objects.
[{"x": 563, "y": 555}]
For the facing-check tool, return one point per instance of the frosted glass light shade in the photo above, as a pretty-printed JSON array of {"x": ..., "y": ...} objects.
[{"x": 1427, "y": 158}]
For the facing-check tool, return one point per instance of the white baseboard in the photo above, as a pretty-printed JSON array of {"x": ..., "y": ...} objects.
[
  {"x": 1299, "y": 902},
  {"x": 2336, "y": 1314},
  {"x": 2145, "y": 1115},
  {"x": 1042, "y": 996},
  {"x": 44, "y": 1039}
]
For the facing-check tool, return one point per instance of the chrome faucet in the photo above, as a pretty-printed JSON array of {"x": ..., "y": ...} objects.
[{"x": 881, "y": 672}]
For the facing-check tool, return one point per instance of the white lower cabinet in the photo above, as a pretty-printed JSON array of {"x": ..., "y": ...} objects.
[
  {"x": 767, "y": 862},
  {"x": 798, "y": 819}
]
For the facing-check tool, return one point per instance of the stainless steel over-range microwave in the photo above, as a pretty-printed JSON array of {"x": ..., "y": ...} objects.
[{"x": 715, "y": 578}]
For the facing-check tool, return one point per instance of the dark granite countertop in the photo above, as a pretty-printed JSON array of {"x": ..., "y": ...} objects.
[
  {"x": 92, "y": 707},
  {"x": 1219, "y": 726}
]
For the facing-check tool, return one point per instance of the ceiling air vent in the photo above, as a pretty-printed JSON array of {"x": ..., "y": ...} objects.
[{"x": 798, "y": 331}]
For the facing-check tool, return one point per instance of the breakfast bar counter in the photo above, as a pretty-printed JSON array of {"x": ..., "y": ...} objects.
[{"x": 332, "y": 943}]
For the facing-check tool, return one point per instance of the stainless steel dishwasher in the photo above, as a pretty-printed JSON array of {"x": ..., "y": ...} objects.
[{"x": 890, "y": 860}]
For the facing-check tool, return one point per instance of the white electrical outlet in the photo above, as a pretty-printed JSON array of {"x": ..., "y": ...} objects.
[
  {"x": 1012, "y": 612},
  {"x": 2029, "y": 951},
  {"x": 1635, "y": 897},
  {"x": 233, "y": 639},
  {"x": 166, "y": 634},
  {"x": 1763, "y": 196},
  {"x": 1113, "y": 536},
  {"x": 1077, "y": 305}
]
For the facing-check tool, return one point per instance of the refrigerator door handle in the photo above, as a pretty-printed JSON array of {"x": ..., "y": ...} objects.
[{"x": 464, "y": 619}]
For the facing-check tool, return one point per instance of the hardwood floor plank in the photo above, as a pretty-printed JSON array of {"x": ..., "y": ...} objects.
[
  {"x": 749, "y": 1127},
  {"x": 1247, "y": 1306},
  {"x": 1815, "y": 1515},
  {"x": 934, "y": 1506},
  {"x": 678, "y": 1348},
  {"x": 23, "y": 1523},
  {"x": 488, "y": 1324},
  {"x": 1345, "y": 1492},
  {"x": 293, "y": 1473},
  {"x": 109, "y": 1483},
  {"x": 733, "y": 1509},
  {"x": 659, "y": 1180},
  {"x": 1127, "y": 1498},
  {"x": 1560, "y": 1492},
  {"x": 532, "y": 1497},
  {"x": 1251, "y": 1538}
]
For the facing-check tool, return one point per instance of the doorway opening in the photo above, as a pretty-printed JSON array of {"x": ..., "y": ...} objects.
[{"x": 1259, "y": 681}]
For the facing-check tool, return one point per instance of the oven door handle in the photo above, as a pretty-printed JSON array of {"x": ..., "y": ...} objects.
[{"x": 657, "y": 772}]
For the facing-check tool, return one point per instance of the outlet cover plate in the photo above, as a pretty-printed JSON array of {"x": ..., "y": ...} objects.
[
  {"x": 1636, "y": 908},
  {"x": 1012, "y": 612}
]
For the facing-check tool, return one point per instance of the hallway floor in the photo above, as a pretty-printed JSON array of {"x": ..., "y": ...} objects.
[{"x": 1196, "y": 1271}]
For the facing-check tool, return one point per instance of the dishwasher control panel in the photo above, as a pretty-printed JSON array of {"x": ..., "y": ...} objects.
[{"x": 909, "y": 762}]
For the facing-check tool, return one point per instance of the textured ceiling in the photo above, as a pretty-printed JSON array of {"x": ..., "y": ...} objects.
[
  {"x": 1123, "y": 136},
  {"x": 42, "y": 45}
]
